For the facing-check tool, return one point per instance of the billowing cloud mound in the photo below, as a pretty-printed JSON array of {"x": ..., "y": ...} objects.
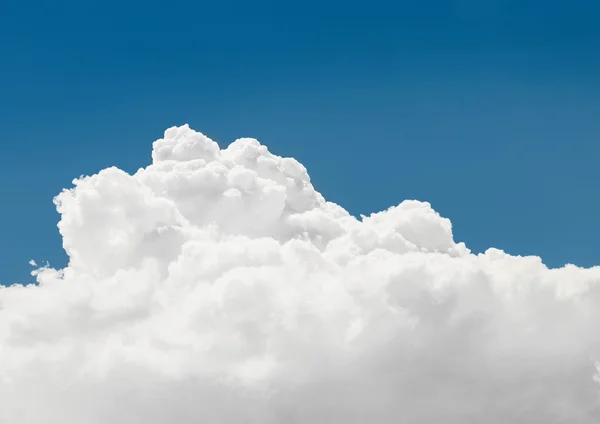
[{"x": 217, "y": 286}]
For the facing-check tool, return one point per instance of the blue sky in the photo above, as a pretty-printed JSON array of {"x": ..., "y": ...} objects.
[{"x": 490, "y": 112}]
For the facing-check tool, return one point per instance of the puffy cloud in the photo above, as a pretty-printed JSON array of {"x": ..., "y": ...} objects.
[{"x": 219, "y": 286}]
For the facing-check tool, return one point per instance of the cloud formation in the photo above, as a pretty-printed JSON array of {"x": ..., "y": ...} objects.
[{"x": 217, "y": 286}]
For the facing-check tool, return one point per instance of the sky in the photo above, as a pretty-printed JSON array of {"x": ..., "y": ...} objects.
[
  {"x": 487, "y": 110},
  {"x": 204, "y": 169}
]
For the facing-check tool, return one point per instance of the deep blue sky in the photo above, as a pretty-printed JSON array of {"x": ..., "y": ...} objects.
[{"x": 489, "y": 109}]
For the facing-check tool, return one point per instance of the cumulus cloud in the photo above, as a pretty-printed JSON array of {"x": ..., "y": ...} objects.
[{"x": 217, "y": 286}]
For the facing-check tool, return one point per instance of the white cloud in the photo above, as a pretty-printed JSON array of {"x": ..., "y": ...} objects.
[{"x": 219, "y": 286}]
